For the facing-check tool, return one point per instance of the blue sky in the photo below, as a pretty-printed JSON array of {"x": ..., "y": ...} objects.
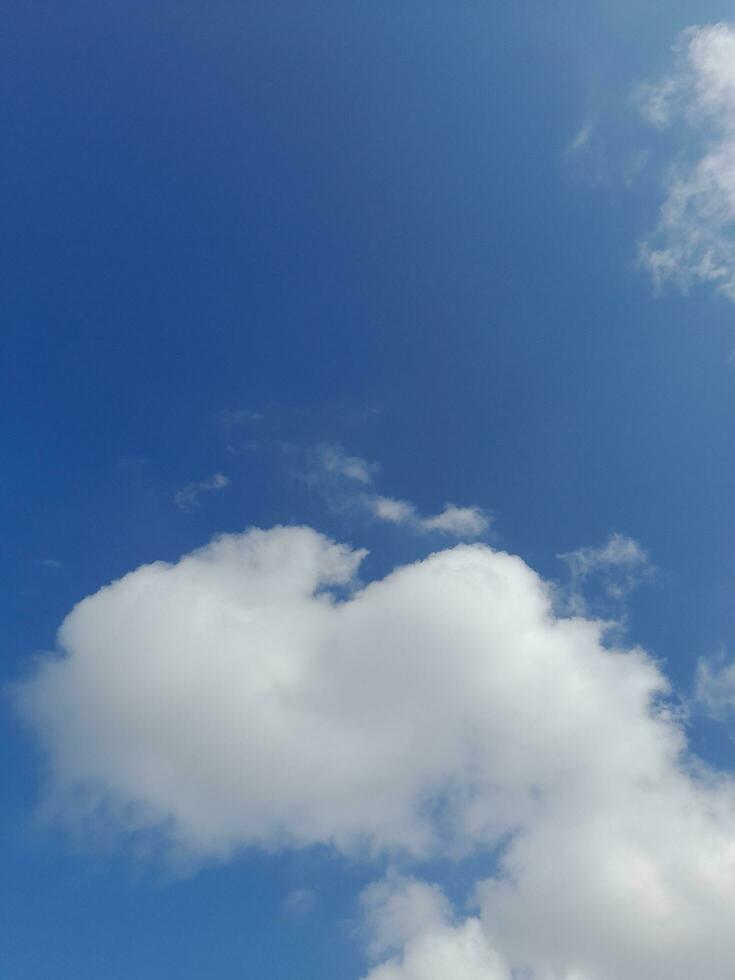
[{"x": 279, "y": 264}]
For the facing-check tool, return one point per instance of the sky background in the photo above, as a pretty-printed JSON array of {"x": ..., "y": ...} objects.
[{"x": 236, "y": 231}]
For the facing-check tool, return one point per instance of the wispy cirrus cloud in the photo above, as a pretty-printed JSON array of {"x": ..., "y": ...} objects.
[
  {"x": 616, "y": 567},
  {"x": 694, "y": 241},
  {"x": 462, "y": 522},
  {"x": 715, "y": 686},
  {"x": 188, "y": 498},
  {"x": 348, "y": 482},
  {"x": 51, "y": 563},
  {"x": 332, "y": 459}
]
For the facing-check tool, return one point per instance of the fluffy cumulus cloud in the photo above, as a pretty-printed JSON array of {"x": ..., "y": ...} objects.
[
  {"x": 695, "y": 238},
  {"x": 413, "y": 930},
  {"x": 255, "y": 693}
]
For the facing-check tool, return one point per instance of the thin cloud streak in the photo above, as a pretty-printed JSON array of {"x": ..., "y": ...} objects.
[{"x": 188, "y": 498}]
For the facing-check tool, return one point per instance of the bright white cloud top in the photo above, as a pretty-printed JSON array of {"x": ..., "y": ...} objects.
[
  {"x": 254, "y": 694},
  {"x": 695, "y": 238}
]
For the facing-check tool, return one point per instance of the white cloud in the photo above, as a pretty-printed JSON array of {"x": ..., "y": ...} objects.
[
  {"x": 232, "y": 700},
  {"x": 333, "y": 460},
  {"x": 469, "y": 522},
  {"x": 332, "y": 471},
  {"x": 461, "y": 522},
  {"x": 188, "y": 497},
  {"x": 390, "y": 510},
  {"x": 620, "y": 565},
  {"x": 715, "y": 687},
  {"x": 695, "y": 238},
  {"x": 413, "y": 922}
]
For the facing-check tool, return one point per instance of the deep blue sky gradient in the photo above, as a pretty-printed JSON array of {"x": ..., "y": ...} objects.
[{"x": 364, "y": 221}]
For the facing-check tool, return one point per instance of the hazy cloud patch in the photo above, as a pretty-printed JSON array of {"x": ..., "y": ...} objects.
[
  {"x": 334, "y": 460},
  {"x": 188, "y": 498},
  {"x": 615, "y": 568},
  {"x": 299, "y": 902},
  {"x": 715, "y": 686}
]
